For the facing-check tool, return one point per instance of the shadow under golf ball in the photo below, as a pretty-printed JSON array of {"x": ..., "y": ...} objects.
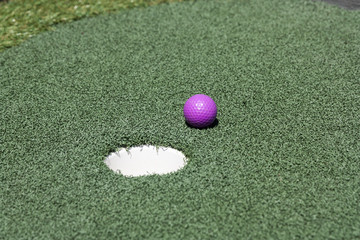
[{"x": 214, "y": 124}]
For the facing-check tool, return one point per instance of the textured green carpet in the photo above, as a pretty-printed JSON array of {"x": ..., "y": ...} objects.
[{"x": 283, "y": 162}]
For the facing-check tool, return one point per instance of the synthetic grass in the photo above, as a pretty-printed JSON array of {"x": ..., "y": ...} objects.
[
  {"x": 283, "y": 162},
  {"x": 20, "y": 20}
]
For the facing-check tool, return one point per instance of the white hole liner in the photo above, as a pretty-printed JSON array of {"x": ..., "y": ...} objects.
[{"x": 146, "y": 160}]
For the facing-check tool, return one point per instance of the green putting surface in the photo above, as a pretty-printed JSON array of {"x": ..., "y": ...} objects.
[{"x": 283, "y": 161}]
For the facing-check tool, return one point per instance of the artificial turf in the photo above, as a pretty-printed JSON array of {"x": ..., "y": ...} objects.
[
  {"x": 282, "y": 163},
  {"x": 20, "y": 20}
]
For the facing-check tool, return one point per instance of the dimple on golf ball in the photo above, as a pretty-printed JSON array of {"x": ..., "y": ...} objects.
[{"x": 200, "y": 111}]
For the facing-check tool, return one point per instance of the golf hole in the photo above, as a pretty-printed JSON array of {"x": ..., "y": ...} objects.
[{"x": 146, "y": 160}]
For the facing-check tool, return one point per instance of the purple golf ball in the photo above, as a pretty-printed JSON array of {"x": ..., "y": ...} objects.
[{"x": 200, "y": 111}]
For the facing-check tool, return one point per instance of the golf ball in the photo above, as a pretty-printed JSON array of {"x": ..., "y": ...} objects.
[{"x": 200, "y": 111}]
